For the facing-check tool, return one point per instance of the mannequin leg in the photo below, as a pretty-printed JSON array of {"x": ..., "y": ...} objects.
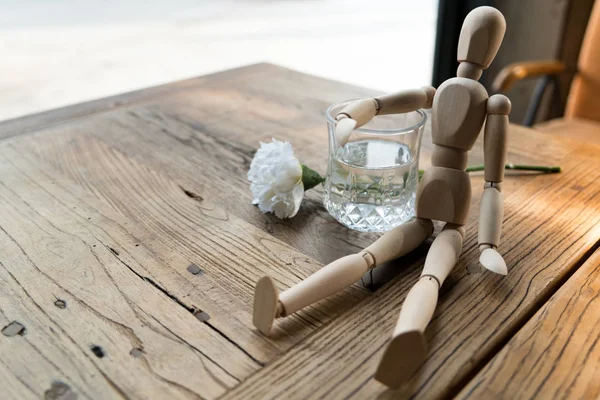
[
  {"x": 334, "y": 277},
  {"x": 407, "y": 350}
]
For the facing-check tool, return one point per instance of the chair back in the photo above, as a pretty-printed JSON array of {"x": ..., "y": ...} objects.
[{"x": 584, "y": 96}]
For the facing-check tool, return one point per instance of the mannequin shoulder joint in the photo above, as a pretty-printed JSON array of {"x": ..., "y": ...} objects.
[{"x": 498, "y": 104}]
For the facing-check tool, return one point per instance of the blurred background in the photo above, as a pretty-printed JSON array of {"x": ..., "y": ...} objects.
[{"x": 60, "y": 52}]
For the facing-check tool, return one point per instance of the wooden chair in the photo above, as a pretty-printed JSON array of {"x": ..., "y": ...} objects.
[{"x": 582, "y": 112}]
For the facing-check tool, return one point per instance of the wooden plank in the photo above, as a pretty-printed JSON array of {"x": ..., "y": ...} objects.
[
  {"x": 157, "y": 231},
  {"x": 556, "y": 354},
  {"x": 173, "y": 220},
  {"x": 550, "y": 223},
  {"x": 222, "y": 96},
  {"x": 91, "y": 177},
  {"x": 58, "y": 248}
]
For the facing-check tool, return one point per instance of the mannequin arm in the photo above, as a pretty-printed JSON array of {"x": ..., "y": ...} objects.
[
  {"x": 405, "y": 101},
  {"x": 360, "y": 112},
  {"x": 491, "y": 207}
]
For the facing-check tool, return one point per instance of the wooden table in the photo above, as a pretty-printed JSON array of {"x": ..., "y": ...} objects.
[{"x": 129, "y": 251}]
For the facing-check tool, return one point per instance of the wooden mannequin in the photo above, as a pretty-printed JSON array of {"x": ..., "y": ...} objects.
[{"x": 460, "y": 108}]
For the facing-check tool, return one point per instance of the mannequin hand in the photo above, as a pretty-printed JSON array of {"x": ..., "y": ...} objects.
[
  {"x": 343, "y": 128},
  {"x": 354, "y": 115}
]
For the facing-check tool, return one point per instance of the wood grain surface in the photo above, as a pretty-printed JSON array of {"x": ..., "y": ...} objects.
[
  {"x": 556, "y": 354},
  {"x": 130, "y": 250}
]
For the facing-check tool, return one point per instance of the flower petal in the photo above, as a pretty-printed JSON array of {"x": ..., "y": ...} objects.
[{"x": 276, "y": 179}]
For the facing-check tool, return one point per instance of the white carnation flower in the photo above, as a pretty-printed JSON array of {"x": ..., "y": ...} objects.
[{"x": 276, "y": 179}]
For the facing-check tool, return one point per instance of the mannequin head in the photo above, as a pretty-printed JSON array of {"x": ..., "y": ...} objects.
[{"x": 480, "y": 38}]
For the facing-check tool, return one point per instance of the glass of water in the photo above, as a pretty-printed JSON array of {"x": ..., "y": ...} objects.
[{"x": 371, "y": 181}]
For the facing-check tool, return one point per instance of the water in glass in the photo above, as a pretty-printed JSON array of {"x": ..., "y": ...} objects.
[{"x": 371, "y": 185}]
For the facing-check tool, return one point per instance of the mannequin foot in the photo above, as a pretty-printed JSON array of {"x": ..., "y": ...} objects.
[
  {"x": 266, "y": 300},
  {"x": 402, "y": 357}
]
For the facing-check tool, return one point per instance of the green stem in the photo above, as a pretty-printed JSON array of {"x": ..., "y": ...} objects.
[
  {"x": 539, "y": 168},
  {"x": 312, "y": 178}
]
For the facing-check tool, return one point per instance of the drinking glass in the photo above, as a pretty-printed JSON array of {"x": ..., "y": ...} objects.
[{"x": 371, "y": 181}]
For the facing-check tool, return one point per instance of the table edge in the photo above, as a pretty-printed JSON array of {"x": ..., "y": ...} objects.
[{"x": 33, "y": 122}]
